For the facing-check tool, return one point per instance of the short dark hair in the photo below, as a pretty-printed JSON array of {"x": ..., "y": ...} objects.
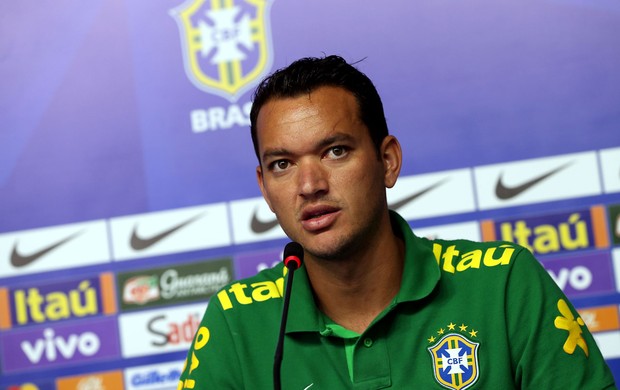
[{"x": 308, "y": 74}]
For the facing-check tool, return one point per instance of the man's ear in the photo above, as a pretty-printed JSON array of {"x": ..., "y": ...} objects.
[
  {"x": 392, "y": 157},
  {"x": 261, "y": 185}
]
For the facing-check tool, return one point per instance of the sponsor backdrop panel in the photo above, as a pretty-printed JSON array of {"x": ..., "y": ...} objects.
[
  {"x": 163, "y": 376},
  {"x": 48, "y": 347},
  {"x": 98, "y": 380},
  {"x": 127, "y": 176},
  {"x": 174, "y": 284},
  {"x": 158, "y": 331},
  {"x": 57, "y": 301}
]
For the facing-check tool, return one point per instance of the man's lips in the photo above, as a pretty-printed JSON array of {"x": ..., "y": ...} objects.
[{"x": 317, "y": 218}]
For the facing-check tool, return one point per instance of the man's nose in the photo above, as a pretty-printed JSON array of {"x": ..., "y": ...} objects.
[{"x": 313, "y": 178}]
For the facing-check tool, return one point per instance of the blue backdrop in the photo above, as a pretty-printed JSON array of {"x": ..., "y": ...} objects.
[{"x": 123, "y": 119}]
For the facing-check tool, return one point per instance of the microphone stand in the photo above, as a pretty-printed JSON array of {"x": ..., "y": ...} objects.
[
  {"x": 293, "y": 255},
  {"x": 277, "y": 366}
]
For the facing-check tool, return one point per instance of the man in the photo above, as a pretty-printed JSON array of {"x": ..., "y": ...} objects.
[{"x": 374, "y": 306}]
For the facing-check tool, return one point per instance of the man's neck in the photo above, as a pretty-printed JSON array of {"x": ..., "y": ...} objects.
[{"x": 352, "y": 292}]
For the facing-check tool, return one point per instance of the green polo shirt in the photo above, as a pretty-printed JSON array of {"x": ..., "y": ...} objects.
[{"x": 468, "y": 315}]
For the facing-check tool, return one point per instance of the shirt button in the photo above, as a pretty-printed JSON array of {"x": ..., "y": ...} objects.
[{"x": 368, "y": 342}]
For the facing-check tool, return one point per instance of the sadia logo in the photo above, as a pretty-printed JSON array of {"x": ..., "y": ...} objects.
[
  {"x": 173, "y": 333},
  {"x": 226, "y": 44},
  {"x": 159, "y": 331}
]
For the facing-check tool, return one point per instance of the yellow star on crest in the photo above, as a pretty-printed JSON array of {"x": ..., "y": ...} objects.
[
  {"x": 440, "y": 331},
  {"x": 473, "y": 333},
  {"x": 451, "y": 326},
  {"x": 463, "y": 327},
  {"x": 431, "y": 339},
  {"x": 568, "y": 322}
]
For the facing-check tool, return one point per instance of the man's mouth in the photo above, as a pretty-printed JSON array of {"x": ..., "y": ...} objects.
[{"x": 319, "y": 217}]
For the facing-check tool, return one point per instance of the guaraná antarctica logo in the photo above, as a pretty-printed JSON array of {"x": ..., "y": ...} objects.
[{"x": 226, "y": 44}]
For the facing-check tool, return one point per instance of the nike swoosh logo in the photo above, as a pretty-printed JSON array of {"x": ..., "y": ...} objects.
[
  {"x": 397, "y": 205},
  {"x": 309, "y": 386},
  {"x": 140, "y": 243},
  {"x": 19, "y": 260},
  {"x": 504, "y": 192},
  {"x": 259, "y": 226}
]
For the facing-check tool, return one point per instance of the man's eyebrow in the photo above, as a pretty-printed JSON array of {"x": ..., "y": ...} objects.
[
  {"x": 334, "y": 139},
  {"x": 322, "y": 144},
  {"x": 275, "y": 152}
]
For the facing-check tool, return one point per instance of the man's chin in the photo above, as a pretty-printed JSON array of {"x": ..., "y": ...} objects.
[{"x": 330, "y": 250}]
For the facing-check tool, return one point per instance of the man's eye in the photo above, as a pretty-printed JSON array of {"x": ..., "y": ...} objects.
[
  {"x": 280, "y": 165},
  {"x": 337, "y": 152}
]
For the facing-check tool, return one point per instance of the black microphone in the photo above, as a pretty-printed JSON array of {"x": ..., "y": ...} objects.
[{"x": 293, "y": 257}]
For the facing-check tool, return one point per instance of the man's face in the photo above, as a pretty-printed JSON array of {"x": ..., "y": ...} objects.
[{"x": 320, "y": 172}]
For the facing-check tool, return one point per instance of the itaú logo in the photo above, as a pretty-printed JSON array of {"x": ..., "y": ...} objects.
[
  {"x": 552, "y": 233},
  {"x": 53, "y": 347},
  {"x": 32, "y": 305}
]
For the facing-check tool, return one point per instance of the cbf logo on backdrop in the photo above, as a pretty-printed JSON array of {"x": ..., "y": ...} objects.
[{"x": 226, "y": 44}]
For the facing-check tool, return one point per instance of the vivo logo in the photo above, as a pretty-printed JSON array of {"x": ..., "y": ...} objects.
[
  {"x": 49, "y": 346},
  {"x": 52, "y": 346},
  {"x": 579, "y": 278},
  {"x": 583, "y": 275}
]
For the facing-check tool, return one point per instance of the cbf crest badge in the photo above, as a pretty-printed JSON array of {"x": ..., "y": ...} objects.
[
  {"x": 226, "y": 44},
  {"x": 455, "y": 361}
]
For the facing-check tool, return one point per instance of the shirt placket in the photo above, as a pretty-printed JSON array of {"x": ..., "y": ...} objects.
[{"x": 371, "y": 363}]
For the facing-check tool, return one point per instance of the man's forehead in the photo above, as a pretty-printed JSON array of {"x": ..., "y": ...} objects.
[
  {"x": 322, "y": 112},
  {"x": 300, "y": 106},
  {"x": 287, "y": 109}
]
